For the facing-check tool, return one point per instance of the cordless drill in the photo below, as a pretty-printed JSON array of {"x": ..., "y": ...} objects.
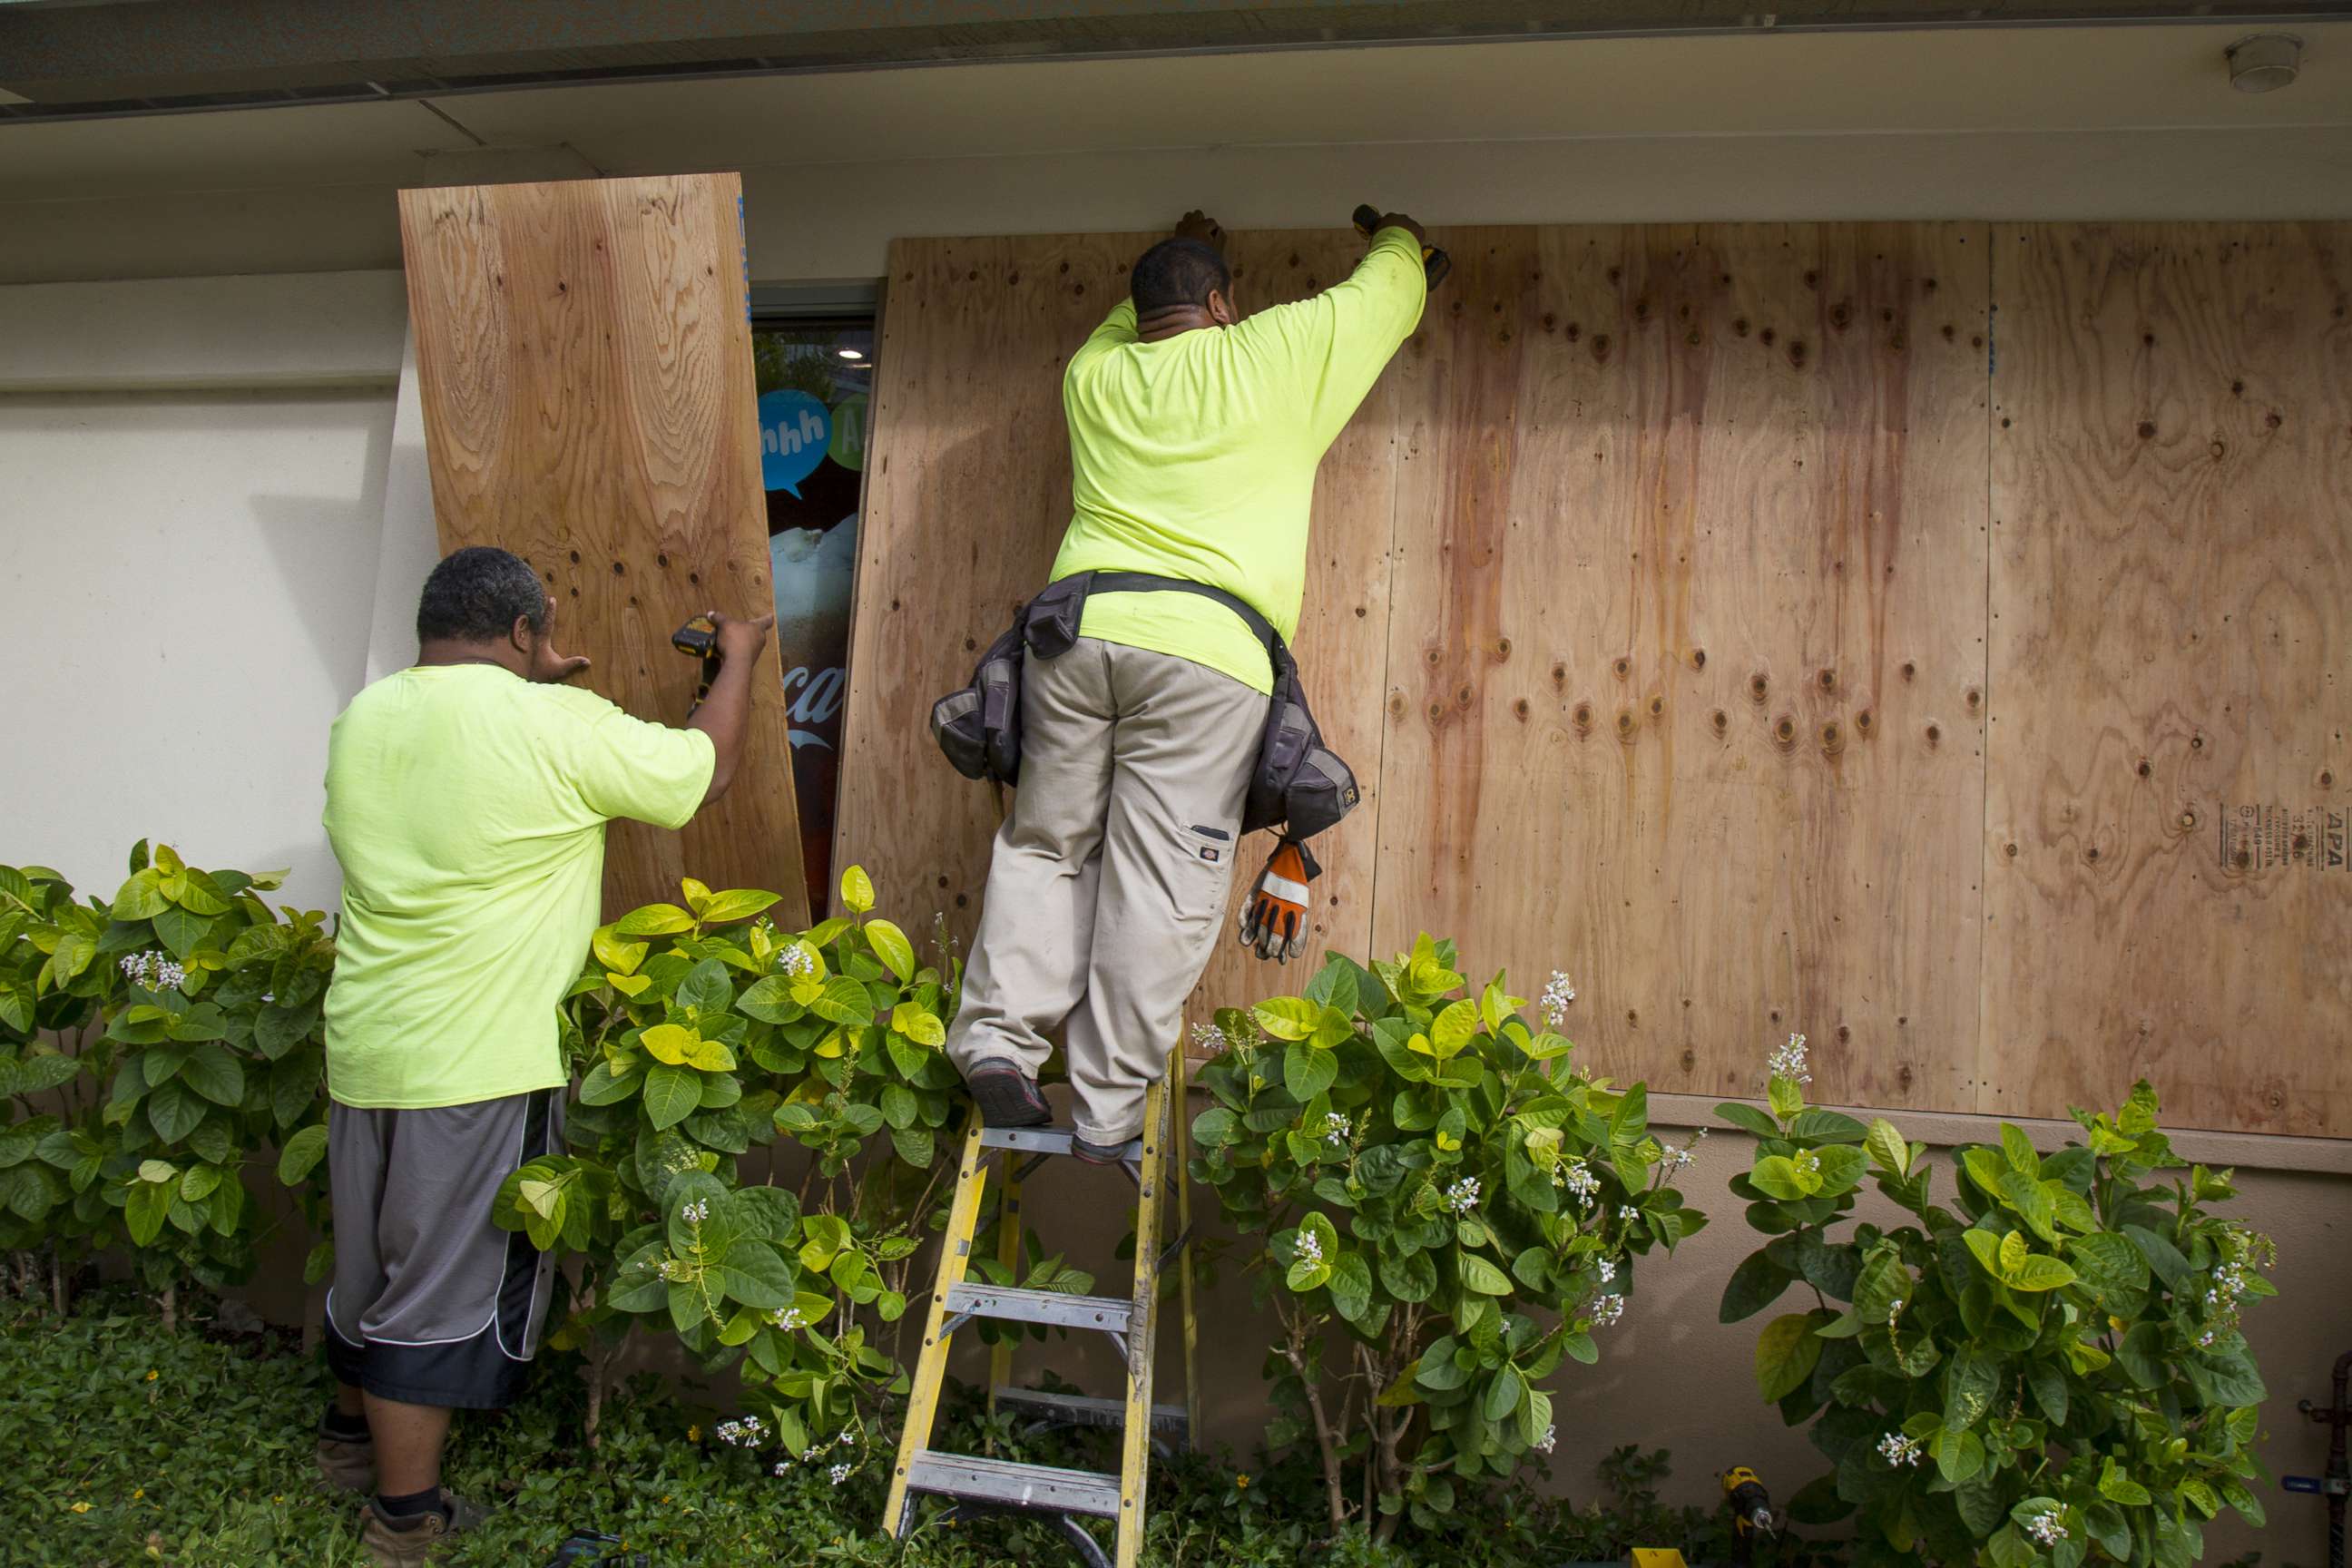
[
  {"x": 699, "y": 640},
  {"x": 1751, "y": 1511},
  {"x": 1434, "y": 263}
]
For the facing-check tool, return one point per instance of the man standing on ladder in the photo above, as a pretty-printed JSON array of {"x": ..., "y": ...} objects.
[{"x": 1195, "y": 439}]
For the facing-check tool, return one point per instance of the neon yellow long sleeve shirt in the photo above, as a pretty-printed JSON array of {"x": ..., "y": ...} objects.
[{"x": 1195, "y": 456}]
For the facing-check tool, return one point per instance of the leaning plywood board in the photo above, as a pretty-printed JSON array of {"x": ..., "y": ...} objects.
[
  {"x": 968, "y": 493},
  {"x": 2168, "y": 894},
  {"x": 1686, "y": 667},
  {"x": 584, "y": 353}
]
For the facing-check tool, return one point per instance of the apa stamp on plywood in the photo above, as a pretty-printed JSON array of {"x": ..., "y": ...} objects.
[{"x": 2271, "y": 838}]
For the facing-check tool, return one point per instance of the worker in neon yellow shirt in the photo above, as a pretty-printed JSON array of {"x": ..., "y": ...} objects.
[{"x": 1196, "y": 434}]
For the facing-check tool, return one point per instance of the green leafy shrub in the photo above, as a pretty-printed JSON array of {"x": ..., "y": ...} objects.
[
  {"x": 155, "y": 1048},
  {"x": 1427, "y": 1174},
  {"x": 2050, "y": 1371},
  {"x": 703, "y": 1037}
]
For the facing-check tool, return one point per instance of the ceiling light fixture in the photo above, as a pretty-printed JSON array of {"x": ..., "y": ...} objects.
[
  {"x": 852, "y": 354},
  {"x": 2264, "y": 62}
]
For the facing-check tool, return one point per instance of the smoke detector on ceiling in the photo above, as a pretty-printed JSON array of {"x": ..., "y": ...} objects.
[{"x": 2264, "y": 62}]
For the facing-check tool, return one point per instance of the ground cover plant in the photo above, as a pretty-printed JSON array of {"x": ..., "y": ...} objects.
[
  {"x": 192, "y": 1449},
  {"x": 2049, "y": 1370},
  {"x": 1442, "y": 1210}
]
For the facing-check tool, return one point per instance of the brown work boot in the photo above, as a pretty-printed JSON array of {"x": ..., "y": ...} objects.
[
  {"x": 347, "y": 1464},
  {"x": 412, "y": 1542}
]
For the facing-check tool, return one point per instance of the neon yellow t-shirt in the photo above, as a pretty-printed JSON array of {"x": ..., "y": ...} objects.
[
  {"x": 468, "y": 807},
  {"x": 1195, "y": 456}
]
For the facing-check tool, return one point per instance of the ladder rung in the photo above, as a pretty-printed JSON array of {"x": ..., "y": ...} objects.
[
  {"x": 1052, "y": 1307},
  {"x": 1084, "y": 1409},
  {"x": 1046, "y": 1141},
  {"x": 1008, "y": 1485}
]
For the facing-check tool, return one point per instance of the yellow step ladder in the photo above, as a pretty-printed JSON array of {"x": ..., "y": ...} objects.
[{"x": 981, "y": 1482}]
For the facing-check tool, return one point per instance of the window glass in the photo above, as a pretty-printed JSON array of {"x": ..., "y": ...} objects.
[{"x": 814, "y": 378}]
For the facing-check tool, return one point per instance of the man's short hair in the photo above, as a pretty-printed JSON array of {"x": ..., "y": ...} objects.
[
  {"x": 1177, "y": 272},
  {"x": 476, "y": 596}
]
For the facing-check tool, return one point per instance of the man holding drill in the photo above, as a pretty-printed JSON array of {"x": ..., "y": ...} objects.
[
  {"x": 467, "y": 798},
  {"x": 1195, "y": 435}
]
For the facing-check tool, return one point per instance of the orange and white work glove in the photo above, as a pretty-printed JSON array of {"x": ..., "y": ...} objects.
[{"x": 1274, "y": 921}]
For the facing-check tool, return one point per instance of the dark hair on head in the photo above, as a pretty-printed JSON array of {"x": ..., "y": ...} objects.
[
  {"x": 478, "y": 594},
  {"x": 1177, "y": 272}
]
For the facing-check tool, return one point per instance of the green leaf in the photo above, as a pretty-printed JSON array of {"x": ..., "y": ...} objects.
[
  {"x": 603, "y": 1086},
  {"x": 212, "y": 1072},
  {"x": 1815, "y": 1125},
  {"x": 303, "y": 1153},
  {"x": 1503, "y": 1395},
  {"x": 1786, "y": 1353},
  {"x": 1288, "y": 1017},
  {"x": 770, "y": 1000},
  {"x": 174, "y": 1110},
  {"x": 736, "y": 904},
  {"x": 1748, "y": 1118},
  {"x": 844, "y": 1000},
  {"x": 1959, "y": 1456},
  {"x": 2162, "y": 1256},
  {"x": 755, "y": 1274},
  {"x": 2019, "y": 1148},
  {"x": 1307, "y": 1072},
  {"x": 671, "y": 1094},
  {"x": 2038, "y": 1273},
  {"x": 1479, "y": 1275},
  {"x": 1410, "y": 1278},
  {"x": 140, "y": 897},
  {"x": 857, "y": 890},
  {"x": 1969, "y": 1381},
  {"x": 1887, "y": 1148},
  {"x": 891, "y": 946},
  {"x": 653, "y": 919},
  {"x": 919, "y": 1025},
  {"x": 2140, "y": 1354},
  {"x": 898, "y": 1107},
  {"x": 1755, "y": 1285},
  {"x": 1351, "y": 1286},
  {"x": 2117, "y": 1486}
]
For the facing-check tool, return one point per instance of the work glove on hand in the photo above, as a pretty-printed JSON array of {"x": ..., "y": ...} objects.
[{"x": 1274, "y": 920}]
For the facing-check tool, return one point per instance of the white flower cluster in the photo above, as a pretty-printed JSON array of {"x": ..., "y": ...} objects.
[
  {"x": 1556, "y": 994},
  {"x": 1789, "y": 1061},
  {"x": 1545, "y": 1443},
  {"x": 674, "y": 1271},
  {"x": 1310, "y": 1249},
  {"x": 1211, "y": 1040},
  {"x": 696, "y": 1212},
  {"x": 1577, "y": 1177},
  {"x": 782, "y": 1466},
  {"x": 838, "y": 1474},
  {"x": 1899, "y": 1450},
  {"x": 1606, "y": 1269},
  {"x": 788, "y": 1318},
  {"x": 2047, "y": 1527},
  {"x": 1628, "y": 1213},
  {"x": 1806, "y": 1160},
  {"x": 795, "y": 962},
  {"x": 1607, "y": 1311},
  {"x": 155, "y": 971},
  {"x": 1463, "y": 1195},
  {"x": 1674, "y": 1157},
  {"x": 1336, "y": 1128},
  {"x": 1894, "y": 1310},
  {"x": 745, "y": 1433}
]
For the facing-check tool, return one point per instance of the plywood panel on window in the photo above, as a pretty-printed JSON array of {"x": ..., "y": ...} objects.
[
  {"x": 2168, "y": 887},
  {"x": 585, "y": 353},
  {"x": 1687, "y": 659}
]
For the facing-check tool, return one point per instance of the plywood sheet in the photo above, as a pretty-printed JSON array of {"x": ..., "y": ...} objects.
[
  {"x": 2167, "y": 889},
  {"x": 967, "y": 498},
  {"x": 1685, "y": 667},
  {"x": 584, "y": 353}
]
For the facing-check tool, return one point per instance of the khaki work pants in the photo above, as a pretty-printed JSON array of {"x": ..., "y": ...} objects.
[{"x": 1109, "y": 881}]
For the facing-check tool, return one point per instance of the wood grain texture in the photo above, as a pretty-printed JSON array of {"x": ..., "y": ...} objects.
[
  {"x": 968, "y": 494},
  {"x": 585, "y": 353},
  {"x": 2172, "y": 484},
  {"x": 1686, "y": 668}
]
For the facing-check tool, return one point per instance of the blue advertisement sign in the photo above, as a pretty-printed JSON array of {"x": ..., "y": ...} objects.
[{"x": 794, "y": 431}]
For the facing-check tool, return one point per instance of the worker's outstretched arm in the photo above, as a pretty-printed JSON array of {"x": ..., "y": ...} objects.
[
  {"x": 1336, "y": 343},
  {"x": 726, "y": 714}
]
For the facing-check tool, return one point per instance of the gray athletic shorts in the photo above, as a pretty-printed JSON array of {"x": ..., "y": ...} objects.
[{"x": 431, "y": 1303}]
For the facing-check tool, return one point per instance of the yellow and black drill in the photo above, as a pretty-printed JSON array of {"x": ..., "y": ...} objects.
[
  {"x": 1751, "y": 1511},
  {"x": 1434, "y": 263}
]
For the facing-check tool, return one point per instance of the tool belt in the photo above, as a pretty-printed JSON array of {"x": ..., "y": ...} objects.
[{"x": 1299, "y": 782}]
